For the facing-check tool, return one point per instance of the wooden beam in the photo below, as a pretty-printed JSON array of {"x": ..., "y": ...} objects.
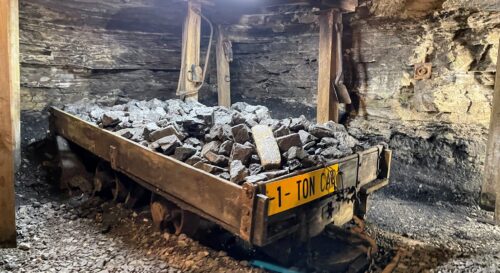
[
  {"x": 491, "y": 184},
  {"x": 223, "y": 74},
  {"x": 191, "y": 72},
  {"x": 491, "y": 178},
  {"x": 9, "y": 117},
  {"x": 327, "y": 106},
  {"x": 343, "y": 5}
]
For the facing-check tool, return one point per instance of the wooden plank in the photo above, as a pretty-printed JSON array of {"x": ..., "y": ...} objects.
[
  {"x": 9, "y": 118},
  {"x": 327, "y": 106},
  {"x": 491, "y": 183},
  {"x": 223, "y": 73},
  {"x": 189, "y": 75},
  {"x": 216, "y": 197},
  {"x": 15, "y": 79},
  {"x": 344, "y": 5}
]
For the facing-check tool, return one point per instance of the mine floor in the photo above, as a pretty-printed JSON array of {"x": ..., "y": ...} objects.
[{"x": 57, "y": 233}]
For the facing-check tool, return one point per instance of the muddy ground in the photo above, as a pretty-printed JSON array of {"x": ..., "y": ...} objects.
[{"x": 58, "y": 233}]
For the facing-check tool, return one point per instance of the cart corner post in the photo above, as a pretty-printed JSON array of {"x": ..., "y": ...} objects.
[{"x": 9, "y": 118}]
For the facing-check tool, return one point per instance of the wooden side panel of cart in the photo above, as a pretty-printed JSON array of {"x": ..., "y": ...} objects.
[{"x": 200, "y": 192}]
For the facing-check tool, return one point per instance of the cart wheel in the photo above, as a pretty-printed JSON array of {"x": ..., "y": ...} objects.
[
  {"x": 167, "y": 215},
  {"x": 103, "y": 179},
  {"x": 120, "y": 190}
]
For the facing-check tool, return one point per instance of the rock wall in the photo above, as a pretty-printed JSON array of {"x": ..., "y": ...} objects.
[
  {"x": 74, "y": 49},
  {"x": 437, "y": 127}
]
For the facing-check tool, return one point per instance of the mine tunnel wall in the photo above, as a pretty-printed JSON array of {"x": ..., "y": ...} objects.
[{"x": 437, "y": 127}]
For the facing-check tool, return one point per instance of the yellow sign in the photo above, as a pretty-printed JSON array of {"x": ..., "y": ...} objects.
[{"x": 294, "y": 191}]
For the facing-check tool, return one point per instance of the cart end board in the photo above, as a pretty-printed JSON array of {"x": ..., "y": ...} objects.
[
  {"x": 309, "y": 191},
  {"x": 352, "y": 171},
  {"x": 294, "y": 191},
  {"x": 220, "y": 200}
]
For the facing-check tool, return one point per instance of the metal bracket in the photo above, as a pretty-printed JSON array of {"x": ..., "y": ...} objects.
[
  {"x": 228, "y": 50},
  {"x": 113, "y": 157},
  {"x": 422, "y": 71},
  {"x": 247, "y": 195},
  {"x": 360, "y": 158},
  {"x": 195, "y": 74}
]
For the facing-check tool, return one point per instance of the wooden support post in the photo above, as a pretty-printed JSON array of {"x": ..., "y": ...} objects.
[
  {"x": 223, "y": 75},
  {"x": 9, "y": 117},
  {"x": 327, "y": 105},
  {"x": 491, "y": 184},
  {"x": 191, "y": 72}
]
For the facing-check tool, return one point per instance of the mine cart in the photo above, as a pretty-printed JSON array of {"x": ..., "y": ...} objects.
[{"x": 297, "y": 205}]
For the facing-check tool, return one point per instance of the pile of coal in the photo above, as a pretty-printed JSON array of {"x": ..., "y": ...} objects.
[{"x": 242, "y": 143}]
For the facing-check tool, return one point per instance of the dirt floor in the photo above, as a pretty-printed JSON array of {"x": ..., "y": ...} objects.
[{"x": 58, "y": 233}]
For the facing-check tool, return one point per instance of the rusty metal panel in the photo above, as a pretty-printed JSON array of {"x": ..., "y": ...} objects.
[
  {"x": 214, "y": 196},
  {"x": 259, "y": 230},
  {"x": 248, "y": 194},
  {"x": 368, "y": 166}
]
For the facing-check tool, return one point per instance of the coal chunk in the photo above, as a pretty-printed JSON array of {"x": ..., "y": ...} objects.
[
  {"x": 221, "y": 116},
  {"x": 193, "y": 141},
  {"x": 149, "y": 128},
  {"x": 256, "y": 178},
  {"x": 306, "y": 137},
  {"x": 274, "y": 173},
  {"x": 281, "y": 131},
  {"x": 112, "y": 118},
  {"x": 299, "y": 123},
  {"x": 309, "y": 145},
  {"x": 163, "y": 132},
  {"x": 218, "y": 160},
  {"x": 296, "y": 152},
  {"x": 255, "y": 159},
  {"x": 310, "y": 161},
  {"x": 193, "y": 160},
  {"x": 238, "y": 172},
  {"x": 294, "y": 164},
  {"x": 225, "y": 175},
  {"x": 262, "y": 113},
  {"x": 255, "y": 168},
  {"x": 168, "y": 144},
  {"x": 332, "y": 152},
  {"x": 241, "y": 133},
  {"x": 320, "y": 131},
  {"x": 220, "y": 132},
  {"x": 237, "y": 118},
  {"x": 212, "y": 146},
  {"x": 328, "y": 141},
  {"x": 184, "y": 152},
  {"x": 241, "y": 152},
  {"x": 209, "y": 168},
  {"x": 288, "y": 141},
  {"x": 226, "y": 147}
]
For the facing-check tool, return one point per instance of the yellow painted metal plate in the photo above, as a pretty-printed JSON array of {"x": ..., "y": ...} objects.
[{"x": 294, "y": 191}]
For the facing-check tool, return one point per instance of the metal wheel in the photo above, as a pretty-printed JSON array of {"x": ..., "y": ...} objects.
[
  {"x": 103, "y": 179},
  {"x": 120, "y": 189},
  {"x": 167, "y": 215}
]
